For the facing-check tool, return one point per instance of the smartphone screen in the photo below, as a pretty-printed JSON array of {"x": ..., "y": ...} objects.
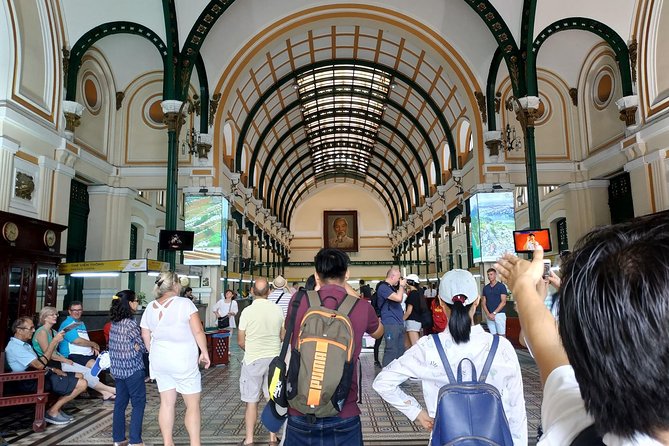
[{"x": 547, "y": 269}]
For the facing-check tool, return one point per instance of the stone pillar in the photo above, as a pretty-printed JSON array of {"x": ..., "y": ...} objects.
[
  {"x": 8, "y": 148},
  {"x": 649, "y": 182},
  {"x": 108, "y": 238}
]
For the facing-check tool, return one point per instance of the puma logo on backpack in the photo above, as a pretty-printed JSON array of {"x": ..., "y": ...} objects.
[{"x": 321, "y": 366}]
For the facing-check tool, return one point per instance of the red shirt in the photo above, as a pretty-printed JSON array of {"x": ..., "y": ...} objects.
[{"x": 363, "y": 319}]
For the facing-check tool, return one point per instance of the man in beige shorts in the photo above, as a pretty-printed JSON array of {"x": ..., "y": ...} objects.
[{"x": 259, "y": 334}]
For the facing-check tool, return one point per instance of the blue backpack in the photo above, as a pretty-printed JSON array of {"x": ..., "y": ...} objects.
[{"x": 469, "y": 413}]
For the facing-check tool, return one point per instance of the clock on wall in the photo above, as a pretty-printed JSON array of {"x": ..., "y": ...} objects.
[
  {"x": 10, "y": 231},
  {"x": 49, "y": 238}
]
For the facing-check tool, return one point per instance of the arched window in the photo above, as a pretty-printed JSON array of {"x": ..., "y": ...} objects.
[{"x": 227, "y": 138}]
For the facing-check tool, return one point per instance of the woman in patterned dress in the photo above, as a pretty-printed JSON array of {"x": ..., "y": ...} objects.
[{"x": 126, "y": 349}]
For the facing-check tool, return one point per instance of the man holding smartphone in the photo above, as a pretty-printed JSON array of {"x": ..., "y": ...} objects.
[{"x": 493, "y": 299}]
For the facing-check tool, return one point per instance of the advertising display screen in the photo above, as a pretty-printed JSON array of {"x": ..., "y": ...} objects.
[
  {"x": 206, "y": 216},
  {"x": 492, "y": 226}
]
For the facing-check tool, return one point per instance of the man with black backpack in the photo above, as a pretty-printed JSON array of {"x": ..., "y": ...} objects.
[
  {"x": 390, "y": 295},
  {"x": 322, "y": 388}
]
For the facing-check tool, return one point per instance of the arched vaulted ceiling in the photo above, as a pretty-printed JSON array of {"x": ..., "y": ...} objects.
[{"x": 344, "y": 92}]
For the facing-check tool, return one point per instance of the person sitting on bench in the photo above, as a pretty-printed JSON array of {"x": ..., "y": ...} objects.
[{"x": 20, "y": 357}]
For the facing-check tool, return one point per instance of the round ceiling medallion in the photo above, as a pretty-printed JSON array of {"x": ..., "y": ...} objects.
[{"x": 543, "y": 113}]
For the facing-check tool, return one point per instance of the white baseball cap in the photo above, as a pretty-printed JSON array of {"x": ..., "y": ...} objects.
[
  {"x": 458, "y": 282},
  {"x": 413, "y": 279}
]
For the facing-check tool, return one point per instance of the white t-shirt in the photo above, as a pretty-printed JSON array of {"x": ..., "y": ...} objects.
[
  {"x": 422, "y": 361},
  {"x": 224, "y": 308},
  {"x": 563, "y": 414}
]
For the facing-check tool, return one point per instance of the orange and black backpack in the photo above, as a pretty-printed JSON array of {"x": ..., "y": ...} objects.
[{"x": 321, "y": 365}]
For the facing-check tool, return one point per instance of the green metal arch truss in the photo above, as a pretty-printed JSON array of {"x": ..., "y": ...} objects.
[
  {"x": 298, "y": 125},
  {"x": 490, "y": 89},
  {"x": 107, "y": 29},
  {"x": 396, "y": 74},
  {"x": 503, "y": 36},
  {"x": 585, "y": 24},
  {"x": 281, "y": 204},
  {"x": 278, "y": 204},
  {"x": 394, "y": 218},
  {"x": 195, "y": 39},
  {"x": 301, "y": 158}
]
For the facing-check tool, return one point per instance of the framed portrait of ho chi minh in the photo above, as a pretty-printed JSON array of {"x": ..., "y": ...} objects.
[{"x": 340, "y": 230}]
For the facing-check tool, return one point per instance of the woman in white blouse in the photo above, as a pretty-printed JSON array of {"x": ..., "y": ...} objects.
[{"x": 458, "y": 292}]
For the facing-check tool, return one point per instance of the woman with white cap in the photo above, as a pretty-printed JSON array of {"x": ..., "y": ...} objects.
[
  {"x": 458, "y": 292},
  {"x": 414, "y": 310}
]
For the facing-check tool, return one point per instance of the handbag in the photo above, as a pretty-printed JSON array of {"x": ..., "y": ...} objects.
[
  {"x": 224, "y": 322},
  {"x": 276, "y": 379}
]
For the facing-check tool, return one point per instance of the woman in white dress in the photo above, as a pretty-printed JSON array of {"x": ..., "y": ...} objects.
[
  {"x": 227, "y": 306},
  {"x": 172, "y": 332}
]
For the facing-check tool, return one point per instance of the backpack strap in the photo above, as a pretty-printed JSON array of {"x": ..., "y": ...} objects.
[
  {"x": 444, "y": 359},
  {"x": 291, "y": 324},
  {"x": 314, "y": 299},
  {"x": 488, "y": 361},
  {"x": 588, "y": 436},
  {"x": 279, "y": 299},
  {"x": 346, "y": 306}
]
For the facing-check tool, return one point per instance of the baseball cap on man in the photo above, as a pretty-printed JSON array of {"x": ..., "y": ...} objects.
[
  {"x": 279, "y": 282},
  {"x": 458, "y": 282}
]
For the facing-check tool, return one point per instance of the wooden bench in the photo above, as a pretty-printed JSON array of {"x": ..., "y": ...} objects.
[{"x": 39, "y": 398}]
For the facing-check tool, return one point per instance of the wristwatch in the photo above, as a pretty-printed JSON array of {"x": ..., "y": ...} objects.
[{"x": 495, "y": 313}]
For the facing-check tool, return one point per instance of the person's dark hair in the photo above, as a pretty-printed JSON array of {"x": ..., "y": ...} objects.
[
  {"x": 331, "y": 264},
  {"x": 614, "y": 308},
  {"x": 310, "y": 284},
  {"x": 75, "y": 303},
  {"x": 459, "y": 324},
  {"x": 531, "y": 234},
  {"x": 491, "y": 270},
  {"x": 187, "y": 289},
  {"x": 120, "y": 306},
  {"x": 362, "y": 281}
]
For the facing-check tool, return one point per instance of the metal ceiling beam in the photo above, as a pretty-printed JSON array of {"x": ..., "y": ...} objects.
[
  {"x": 393, "y": 218},
  {"x": 284, "y": 206},
  {"x": 397, "y": 75},
  {"x": 275, "y": 203}
]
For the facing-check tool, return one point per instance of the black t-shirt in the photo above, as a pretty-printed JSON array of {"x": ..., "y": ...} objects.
[{"x": 413, "y": 299}]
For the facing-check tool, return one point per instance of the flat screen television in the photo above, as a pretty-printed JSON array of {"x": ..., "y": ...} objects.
[
  {"x": 175, "y": 240},
  {"x": 527, "y": 240}
]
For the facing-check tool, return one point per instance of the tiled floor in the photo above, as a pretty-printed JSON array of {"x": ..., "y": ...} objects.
[{"x": 223, "y": 414}]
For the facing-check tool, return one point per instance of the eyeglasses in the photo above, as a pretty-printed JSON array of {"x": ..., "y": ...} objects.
[
  {"x": 26, "y": 328},
  {"x": 76, "y": 310}
]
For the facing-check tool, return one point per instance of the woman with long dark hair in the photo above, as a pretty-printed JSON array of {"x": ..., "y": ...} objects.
[
  {"x": 459, "y": 296},
  {"x": 126, "y": 349}
]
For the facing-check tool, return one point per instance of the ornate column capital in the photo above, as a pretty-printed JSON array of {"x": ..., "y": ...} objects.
[
  {"x": 72, "y": 111},
  {"x": 204, "y": 143},
  {"x": 627, "y": 106},
  {"x": 493, "y": 139},
  {"x": 529, "y": 106},
  {"x": 171, "y": 109}
]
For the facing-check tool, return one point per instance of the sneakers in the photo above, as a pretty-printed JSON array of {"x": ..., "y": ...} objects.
[
  {"x": 58, "y": 419},
  {"x": 65, "y": 415}
]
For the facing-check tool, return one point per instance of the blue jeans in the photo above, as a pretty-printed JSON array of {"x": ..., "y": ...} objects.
[
  {"x": 394, "y": 336},
  {"x": 129, "y": 389},
  {"x": 331, "y": 431}
]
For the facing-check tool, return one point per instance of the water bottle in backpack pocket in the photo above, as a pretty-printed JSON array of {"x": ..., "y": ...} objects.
[
  {"x": 321, "y": 367},
  {"x": 469, "y": 413}
]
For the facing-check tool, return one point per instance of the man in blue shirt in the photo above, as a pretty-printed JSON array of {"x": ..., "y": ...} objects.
[
  {"x": 493, "y": 301},
  {"x": 21, "y": 356},
  {"x": 392, "y": 316},
  {"x": 77, "y": 346}
]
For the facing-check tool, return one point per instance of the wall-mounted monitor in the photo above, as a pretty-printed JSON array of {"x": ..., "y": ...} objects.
[
  {"x": 175, "y": 240},
  {"x": 206, "y": 216},
  {"x": 492, "y": 224},
  {"x": 528, "y": 240}
]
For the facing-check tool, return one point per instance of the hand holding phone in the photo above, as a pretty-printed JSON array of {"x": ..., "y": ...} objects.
[{"x": 547, "y": 269}]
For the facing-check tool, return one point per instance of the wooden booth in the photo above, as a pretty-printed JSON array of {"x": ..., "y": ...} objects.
[{"x": 28, "y": 268}]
